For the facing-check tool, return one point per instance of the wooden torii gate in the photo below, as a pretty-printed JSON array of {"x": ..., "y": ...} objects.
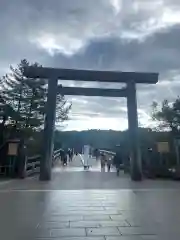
[{"x": 130, "y": 78}]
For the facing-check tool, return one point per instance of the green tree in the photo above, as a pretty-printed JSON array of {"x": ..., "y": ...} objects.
[
  {"x": 6, "y": 111},
  {"x": 167, "y": 115},
  {"x": 27, "y": 97}
]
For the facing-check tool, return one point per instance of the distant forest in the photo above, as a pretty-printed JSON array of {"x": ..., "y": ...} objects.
[{"x": 107, "y": 139}]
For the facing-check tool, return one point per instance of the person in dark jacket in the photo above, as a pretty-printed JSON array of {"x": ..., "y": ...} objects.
[
  {"x": 70, "y": 154},
  {"x": 103, "y": 162},
  {"x": 63, "y": 157},
  {"x": 118, "y": 161},
  {"x": 96, "y": 153}
]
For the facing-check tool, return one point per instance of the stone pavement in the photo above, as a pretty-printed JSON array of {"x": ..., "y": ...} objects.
[{"x": 112, "y": 208}]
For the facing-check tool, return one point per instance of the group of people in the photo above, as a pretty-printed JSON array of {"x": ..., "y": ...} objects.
[
  {"x": 110, "y": 161},
  {"x": 106, "y": 161},
  {"x": 66, "y": 156}
]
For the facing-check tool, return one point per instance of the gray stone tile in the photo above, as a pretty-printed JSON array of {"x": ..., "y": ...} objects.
[
  {"x": 71, "y": 232},
  {"x": 96, "y": 217},
  {"x": 111, "y": 206},
  {"x": 124, "y": 238},
  {"x": 99, "y": 223},
  {"x": 81, "y": 224},
  {"x": 112, "y": 223},
  {"x": 85, "y": 212},
  {"x": 136, "y": 231},
  {"x": 54, "y": 225},
  {"x": 140, "y": 222},
  {"x": 152, "y": 238},
  {"x": 150, "y": 206},
  {"x": 129, "y": 213},
  {"x": 63, "y": 218},
  {"x": 85, "y": 208},
  {"x": 72, "y": 238},
  {"x": 108, "y": 231},
  {"x": 117, "y": 217}
]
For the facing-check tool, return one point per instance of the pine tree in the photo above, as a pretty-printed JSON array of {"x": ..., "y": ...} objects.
[
  {"x": 6, "y": 111},
  {"x": 27, "y": 97},
  {"x": 62, "y": 109}
]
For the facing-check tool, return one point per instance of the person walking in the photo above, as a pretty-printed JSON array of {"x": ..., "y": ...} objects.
[
  {"x": 118, "y": 161},
  {"x": 103, "y": 162},
  {"x": 68, "y": 153},
  {"x": 96, "y": 154},
  {"x": 71, "y": 155},
  {"x": 63, "y": 155},
  {"x": 109, "y": 163}
]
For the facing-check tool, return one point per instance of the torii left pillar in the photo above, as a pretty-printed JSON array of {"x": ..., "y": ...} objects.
[{"x": 48, "y": 138}]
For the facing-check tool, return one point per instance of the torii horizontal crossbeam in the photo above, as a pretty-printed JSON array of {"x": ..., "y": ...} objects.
[
  {"x": 90, "y": 75},
  {"x": 92, "y": 91}
]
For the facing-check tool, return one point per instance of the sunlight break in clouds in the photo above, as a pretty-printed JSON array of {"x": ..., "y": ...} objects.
[
  {"x": 65, "y": 45},
  {"x": 117, "y": 4}
]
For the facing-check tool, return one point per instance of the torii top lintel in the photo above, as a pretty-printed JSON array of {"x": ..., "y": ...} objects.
[{"x": 90, "y": 75}]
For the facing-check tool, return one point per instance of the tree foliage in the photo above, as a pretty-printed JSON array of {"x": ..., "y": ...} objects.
[
  {"x": 167, "y": 114},
  {"x": 107, "y": 139},
  {"x": 24, "y": 99}
]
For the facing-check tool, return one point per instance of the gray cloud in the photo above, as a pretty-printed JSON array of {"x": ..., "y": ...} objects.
[
  {"x": 158, "y": 53},
  {"x": 135, "y": 35}
]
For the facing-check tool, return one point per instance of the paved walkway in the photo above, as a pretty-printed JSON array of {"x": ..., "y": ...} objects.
[{"x": 103, "y": 207}]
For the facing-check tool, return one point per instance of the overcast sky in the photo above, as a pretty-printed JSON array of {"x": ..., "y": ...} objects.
[{"x": 124, "y": 35}]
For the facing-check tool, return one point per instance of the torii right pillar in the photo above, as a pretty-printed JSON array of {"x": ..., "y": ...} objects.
[{"x": 134, "y": 148}]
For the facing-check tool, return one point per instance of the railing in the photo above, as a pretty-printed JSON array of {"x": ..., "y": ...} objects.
[
  {"x": 33, "y": 163},
  {"x": 107, "y": 152},
  {"x": 56, "y": 156}
]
